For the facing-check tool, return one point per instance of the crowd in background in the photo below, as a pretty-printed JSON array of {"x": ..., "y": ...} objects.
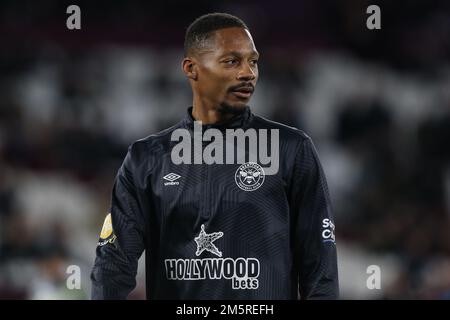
[{"x": 377, "y": 108}]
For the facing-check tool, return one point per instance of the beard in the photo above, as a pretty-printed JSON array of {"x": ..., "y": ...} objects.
[{"x": 228, "y": 109}]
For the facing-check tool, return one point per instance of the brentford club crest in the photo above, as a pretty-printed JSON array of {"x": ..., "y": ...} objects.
[{"x": 249, "y": 176}]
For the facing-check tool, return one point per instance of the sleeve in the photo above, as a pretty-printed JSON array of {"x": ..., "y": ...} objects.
[
  {"x": 313, "y": 227},
  {"x": 121, "y": 240}
]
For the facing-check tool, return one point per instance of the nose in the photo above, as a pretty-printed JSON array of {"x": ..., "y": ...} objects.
[{"x": 246, "y": 73}]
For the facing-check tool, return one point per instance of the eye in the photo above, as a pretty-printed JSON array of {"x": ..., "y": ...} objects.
[
  {"x": 254, "y": 61},
  {"x": 230, "y": 62}
]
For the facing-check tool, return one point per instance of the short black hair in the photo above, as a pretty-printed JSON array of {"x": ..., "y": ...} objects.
[{"x": 200, "y": 30}]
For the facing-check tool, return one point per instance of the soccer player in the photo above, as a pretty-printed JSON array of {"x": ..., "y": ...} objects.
[{"x": 226, "y": 204}]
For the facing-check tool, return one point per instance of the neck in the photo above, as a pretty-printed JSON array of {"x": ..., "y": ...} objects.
[{"x": 207, "y": 112}]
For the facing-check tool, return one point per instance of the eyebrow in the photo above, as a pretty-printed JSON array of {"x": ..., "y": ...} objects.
[{"x": 238, "y": 54}]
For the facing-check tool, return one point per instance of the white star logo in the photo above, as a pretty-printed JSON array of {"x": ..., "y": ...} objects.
[{"x": 205, "y": 242}]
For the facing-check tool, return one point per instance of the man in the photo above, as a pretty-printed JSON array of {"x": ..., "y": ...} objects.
[{"x": 218, "y": 215}]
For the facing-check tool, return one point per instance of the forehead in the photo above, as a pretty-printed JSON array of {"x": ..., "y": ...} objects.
[{"x": 233, "y": 40}]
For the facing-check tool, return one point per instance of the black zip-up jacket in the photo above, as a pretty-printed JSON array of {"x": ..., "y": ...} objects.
[{"x": 219, "y": 231}]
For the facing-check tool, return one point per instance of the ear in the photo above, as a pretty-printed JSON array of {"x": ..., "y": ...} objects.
[{"x": 189, "y": 68}]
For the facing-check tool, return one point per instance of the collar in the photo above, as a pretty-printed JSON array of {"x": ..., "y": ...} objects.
[{"x": 239, "y": 121}]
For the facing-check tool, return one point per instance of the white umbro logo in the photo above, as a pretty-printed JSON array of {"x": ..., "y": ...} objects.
[{"x": 171, "y": 177}]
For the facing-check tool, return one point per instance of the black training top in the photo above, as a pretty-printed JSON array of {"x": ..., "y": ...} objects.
[{"x": 219, "y": 231}]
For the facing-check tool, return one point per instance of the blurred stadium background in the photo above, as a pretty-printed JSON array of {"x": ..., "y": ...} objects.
[{"x": 376, "y": 103}]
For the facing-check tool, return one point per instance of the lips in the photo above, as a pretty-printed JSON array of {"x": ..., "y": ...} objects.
[{"x": 243, "y": 92}]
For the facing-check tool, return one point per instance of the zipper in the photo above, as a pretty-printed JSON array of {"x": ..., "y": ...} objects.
[{"x": 206, "y": 210}]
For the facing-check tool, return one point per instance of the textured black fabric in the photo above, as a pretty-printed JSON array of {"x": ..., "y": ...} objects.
[{"x": 280, "y": 224}]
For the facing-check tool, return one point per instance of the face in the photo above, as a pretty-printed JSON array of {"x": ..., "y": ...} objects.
[{"x": 227, "y": 70}]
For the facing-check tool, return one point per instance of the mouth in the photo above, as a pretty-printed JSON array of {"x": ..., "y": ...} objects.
[{"x": 243, "y": 92}]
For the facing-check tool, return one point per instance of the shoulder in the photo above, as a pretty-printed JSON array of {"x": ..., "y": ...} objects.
[
  {"x": 154, "y": 141},
  {"x": 286, "y": 133},
  {"x": 146, "y": 149}
]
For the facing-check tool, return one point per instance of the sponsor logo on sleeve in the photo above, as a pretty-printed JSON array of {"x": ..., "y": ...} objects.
[
  {"x": 107, "y": 235},
  {"x": 328, "y": 231}
]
